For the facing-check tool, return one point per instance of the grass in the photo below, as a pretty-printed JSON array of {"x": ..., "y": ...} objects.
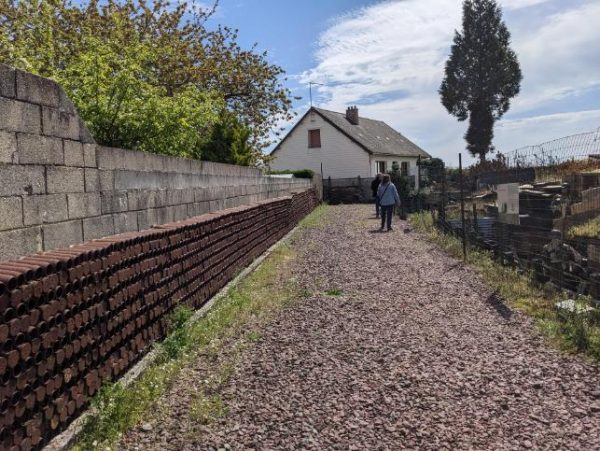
[
  {"x": 116, "y": 408},
  {"x": 571, "y": 332},
  {"x": 589, "y": 229},
  {"x": 206, "y": 410},
  {"x": 333, "y": 292},
  {"x": 318, "y": 218}
]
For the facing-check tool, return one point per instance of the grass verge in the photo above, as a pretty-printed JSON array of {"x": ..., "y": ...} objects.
[
  {"x": 116, "y": 408},
  {"x": 571, "y": 332},
  {"x": 589, "y": 229}
]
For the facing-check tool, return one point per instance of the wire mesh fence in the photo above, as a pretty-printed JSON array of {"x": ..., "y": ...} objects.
[{"x": 536, "y": 208}]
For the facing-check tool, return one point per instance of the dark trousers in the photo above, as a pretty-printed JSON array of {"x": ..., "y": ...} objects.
[
  {"x": 376, "y": 205},
  {"x": 386, "y": 215}
]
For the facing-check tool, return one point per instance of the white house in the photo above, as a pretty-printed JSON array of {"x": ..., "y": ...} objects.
[{"x": 341, "y": 145}]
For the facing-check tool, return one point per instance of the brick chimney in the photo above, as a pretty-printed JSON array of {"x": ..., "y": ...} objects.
[{"x": 352, "y": 115}]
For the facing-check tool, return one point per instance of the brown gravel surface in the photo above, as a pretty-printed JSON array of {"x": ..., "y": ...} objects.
[{"x": 411, "y": 351}]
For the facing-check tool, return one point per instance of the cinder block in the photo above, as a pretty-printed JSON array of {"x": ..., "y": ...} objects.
[
  {"x": 34, "y": 89},
  {"x": 127, "y": 180},
  {"x": 8, "y": 147},
  {"x": 60, "y": 123},
  {"x": 98, "y": 227},
  {"x": 164, "y": 215},
  {"x": 20, "y": 180},
  {"x": 89, "y": 155},
  {"x": 198, "y": 208},
  {"x": 201, "y": 194},
  {"x": 146, "y": 219},
  {"x": 109, "y": 157},
  {"x": 84, "y": 134},
  {"x": 45, "y": 209},
  {"x": 180, "y": 212},
  {"x": 114, "y": 202},
  {"x": 19, "y": 116},
  {"x": 62, "y": 234},
  {"x": 36, "y": 149},
  {"x": 125, "y": 222},
  {"x": 20, "y": 242},
  {"x": 107, "y": 180},
  {"x": 73, "y": 153},
  {"x": 11, "y": 213},
  {"x": 64, "y": 103},
  {"x": 65, "y": 180},
  {"x": 83, "y": 205},
  {"x": 92, "y": 180},
  {"x": 216, "y": 205},
  {"x": 7, "y": 81}
]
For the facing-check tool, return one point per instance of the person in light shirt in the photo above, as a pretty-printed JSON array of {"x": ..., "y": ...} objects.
[{"x": 388, "y": 197}]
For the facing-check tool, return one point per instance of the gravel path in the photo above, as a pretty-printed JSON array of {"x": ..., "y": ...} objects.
[{"x": 412, "y": 353}]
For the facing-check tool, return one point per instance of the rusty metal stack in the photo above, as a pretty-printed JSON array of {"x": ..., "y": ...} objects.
[{"x": 73, "y": 319}]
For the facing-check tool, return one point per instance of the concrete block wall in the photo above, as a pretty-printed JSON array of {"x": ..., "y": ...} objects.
[{"x": 58, "y": 187}]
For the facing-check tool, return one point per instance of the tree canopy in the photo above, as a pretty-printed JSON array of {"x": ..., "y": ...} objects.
[
  {"x": 482, "y": 73},
  {"x": 148, "y": 75}
]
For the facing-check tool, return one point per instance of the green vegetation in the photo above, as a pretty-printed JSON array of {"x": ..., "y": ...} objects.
[
  {"x": 482, "y": 74},
  {"x": 318, "y": 218},
  {"x": 573, "y": 332},
  {"x": 206, "y": 410},
  {"x": 589, "y": 229},
  {"x": 150, "y": 75},
  {"x": 333, "y": 292}
]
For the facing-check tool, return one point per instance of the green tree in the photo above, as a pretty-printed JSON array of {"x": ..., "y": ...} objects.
[
  {"x": 432, "y": 170},
  {"x": 482, "y": 74},
  {"x": 229, "y": 142},
  {"x": 144, "y": 74}
]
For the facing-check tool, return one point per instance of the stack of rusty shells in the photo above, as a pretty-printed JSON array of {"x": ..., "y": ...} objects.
[{"x": 73, "y": 319}]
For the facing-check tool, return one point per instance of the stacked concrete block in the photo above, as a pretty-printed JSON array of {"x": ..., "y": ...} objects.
[
  {"x": 75, "y": 318},
  {"x": 57, "y": 187}
]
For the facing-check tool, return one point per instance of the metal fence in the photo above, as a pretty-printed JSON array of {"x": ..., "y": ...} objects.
[{"x": 537, "y": 208}]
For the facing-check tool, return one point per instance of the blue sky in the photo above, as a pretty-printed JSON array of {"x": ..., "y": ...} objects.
[{"x": 387, "y": 57}]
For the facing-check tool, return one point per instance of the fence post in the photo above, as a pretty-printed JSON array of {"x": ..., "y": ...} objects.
[
  {"x": 462, "y": 206},
  {"x": 443, "y": 211},
  {"x": 475, "y": 221}
]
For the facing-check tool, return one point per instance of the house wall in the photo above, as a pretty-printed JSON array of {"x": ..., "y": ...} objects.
[
  {"x": 412, "y": 164},
  {"x": 341, "y": 157}
]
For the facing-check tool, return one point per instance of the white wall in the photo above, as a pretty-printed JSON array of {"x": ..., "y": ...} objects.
[
  {"x": 412, "y": 163},
  {"x": 341, "y": 157}
]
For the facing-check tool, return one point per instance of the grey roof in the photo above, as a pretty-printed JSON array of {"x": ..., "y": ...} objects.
[{"x": 374, "y": 136}]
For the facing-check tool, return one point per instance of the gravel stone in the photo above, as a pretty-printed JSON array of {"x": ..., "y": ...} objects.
[{"x": 415, "y": 353}]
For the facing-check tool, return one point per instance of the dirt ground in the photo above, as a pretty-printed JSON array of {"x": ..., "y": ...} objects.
[{"x": 398, "y": 347}]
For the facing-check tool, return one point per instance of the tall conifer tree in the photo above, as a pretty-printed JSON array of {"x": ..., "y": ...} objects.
[{"x": 482, "y": 74}]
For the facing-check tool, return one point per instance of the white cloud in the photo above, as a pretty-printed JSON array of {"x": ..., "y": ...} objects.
[
  {"x": 389, "y": 59},
  {"x": 519, "y": 4}
]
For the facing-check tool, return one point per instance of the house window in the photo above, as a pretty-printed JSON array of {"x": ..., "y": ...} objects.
[
  {"x": 381, "y": 167},
  {"x": 314, "y": 138},
  {"x": 404, "y": 168}
]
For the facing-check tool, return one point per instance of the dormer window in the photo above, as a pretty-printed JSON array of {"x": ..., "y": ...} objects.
[{"x": 314, "y": 138}]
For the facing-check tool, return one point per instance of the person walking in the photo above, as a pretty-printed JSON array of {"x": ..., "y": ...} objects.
[
  {"x": 388, "y": 197},
  {"x": 374, "y": 186}
]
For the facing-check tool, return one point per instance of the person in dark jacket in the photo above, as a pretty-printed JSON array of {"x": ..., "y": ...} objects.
[
  {"x": 374, "y": 186},
  {"x": 388, "y": 197}
]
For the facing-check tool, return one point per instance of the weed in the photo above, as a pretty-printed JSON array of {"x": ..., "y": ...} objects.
[
  {"x": 320, "y": 217},
  {"x": 577, "y": 332},
  {"x": 253, "y": 336},
  {"x": 589, "y": 229},
  {"x": 206, "y": 410},
  {"x": 333, "y": 292}
]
